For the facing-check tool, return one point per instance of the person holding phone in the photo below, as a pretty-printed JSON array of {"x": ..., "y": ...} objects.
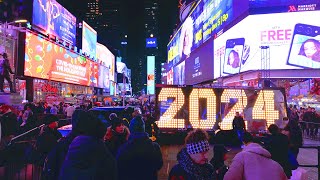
[{"x": 310, "y": 49}]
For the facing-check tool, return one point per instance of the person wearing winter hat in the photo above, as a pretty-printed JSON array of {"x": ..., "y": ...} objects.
[
  {"x": 139, "y": 149},
  {"x": 87, "y": 156},
  {"x": 116, "y": 135},
  {"x": 193, "y": 158},
  {"x": 137, "y": 125},
  {"x": 57, "y": 155},
  {"x": 48, "y": 137}
]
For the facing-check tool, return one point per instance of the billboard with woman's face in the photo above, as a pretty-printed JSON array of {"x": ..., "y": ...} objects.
[{"x": 292, "y": 38}]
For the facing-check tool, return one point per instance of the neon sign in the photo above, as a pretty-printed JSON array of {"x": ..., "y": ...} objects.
[{"x": 188, "y": 107}]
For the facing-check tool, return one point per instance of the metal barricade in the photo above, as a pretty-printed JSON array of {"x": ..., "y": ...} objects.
[
  {"x": 13, "y": 164},
  {"x": 310, "y": 130}
]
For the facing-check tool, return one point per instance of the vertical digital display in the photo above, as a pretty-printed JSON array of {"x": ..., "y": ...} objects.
[
  {"x": 54, "y": 19},
  {"x": 150, "y": 75},
  {"x": 189, "y": 107},
  {"x": 89, "y": 40},
  {"x": 106, "y": 58}
]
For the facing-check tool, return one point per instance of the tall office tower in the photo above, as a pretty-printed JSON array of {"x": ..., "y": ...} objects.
[
  {"x": 93, "y": 14},
  {"x": 151, "y": 30}
]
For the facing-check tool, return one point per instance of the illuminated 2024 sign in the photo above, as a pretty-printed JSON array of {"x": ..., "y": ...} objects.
[{"x": 203, "y": 107}]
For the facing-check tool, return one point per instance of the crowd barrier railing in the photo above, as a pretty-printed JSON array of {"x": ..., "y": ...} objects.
[{"x": 310, "y": 130}]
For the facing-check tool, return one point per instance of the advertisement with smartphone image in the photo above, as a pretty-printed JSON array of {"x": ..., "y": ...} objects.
[
  {"x": 293, "y": 39},
  {"x": 305, "y": 46}
]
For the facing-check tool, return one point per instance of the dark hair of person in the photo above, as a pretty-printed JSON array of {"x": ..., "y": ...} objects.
[
  {"x": 247, "y": 137},
  {"x": 316, "y": 56},
  {"x": 273, "y": 129},
  {"x": 196, "y": 135},
  {"x": 236, "y": 57}
]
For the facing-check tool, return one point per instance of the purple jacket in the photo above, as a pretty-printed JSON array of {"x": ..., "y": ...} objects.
[{"x": 254, "y": 162}]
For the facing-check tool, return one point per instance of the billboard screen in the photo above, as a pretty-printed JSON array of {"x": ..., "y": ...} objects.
[
  {"x": 272, "y": 3},
  {"x": 94, "y": 73},
  {"x": 293, "y": 40},
  {"x": 54, "y": 19},
  {"x": 103, "y": 80},
  {"x": 46, "y": 60},
  {"x": 89, "y": 40},
  {"x": 188, "y": 107},
  {"x": 106, "y": 58},
  {"x": 199, "y": 66},
  {"x": 151, "y": 42},
  {"x": 150, "y": 74},
  {"x": 205, "y": 21}
]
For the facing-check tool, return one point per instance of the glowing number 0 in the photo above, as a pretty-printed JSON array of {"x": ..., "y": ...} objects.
[
  {"x": 226, "y": 123},
  {"x": 194, "y": 108},
  {"x": 166, "y": 120},
  {"x": 264, "y": 107}
]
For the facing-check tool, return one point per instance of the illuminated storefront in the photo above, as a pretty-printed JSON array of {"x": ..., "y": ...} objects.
[{"x": 59, "y": 74}]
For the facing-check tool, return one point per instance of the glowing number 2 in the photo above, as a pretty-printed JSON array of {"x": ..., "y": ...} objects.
[
  {"x": 264, "y": 107},
  {"x": 167, "y": 119},
  {"x": 194, "y": 108},
  {"x": 226, "y": 123}
]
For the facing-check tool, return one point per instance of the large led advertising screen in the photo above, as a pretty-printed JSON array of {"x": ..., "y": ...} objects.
[
  {"x": 150, "y": 74},
  {"x": 207, "y": 19},
  {"x": 293, "y": 39},
  {"x": 106, "y": 58},
  {"x": 54, "y": 19},
  {"x": 103, "y": 80},
  {"x": 272, "y": 3},
  {"x": 47, "y": 60},
  {"x": 189, "y": 107},
  {"x": 89, "y": 40}
]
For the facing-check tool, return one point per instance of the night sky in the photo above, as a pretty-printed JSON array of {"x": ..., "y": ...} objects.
[{"x": 133, "y": 23}]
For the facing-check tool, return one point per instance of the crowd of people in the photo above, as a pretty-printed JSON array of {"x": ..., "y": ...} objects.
[
  {"x": 308, "y": 119},
  {"x": 121, "y": 147}
]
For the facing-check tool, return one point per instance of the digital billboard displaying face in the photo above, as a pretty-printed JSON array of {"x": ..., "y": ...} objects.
[
  {"x": 207, "y": 19},
  {"x": 103, "y": 80},
  {"x": 293, "y": 40},
  {"x": 106, "y": 58},
  {"x": 188, "y": 107},
  {"x": 46, "y": 60},
  {"x": 150, "y": 74},
  {"x": 54, "y": 19},
  {"x": 89, "y": 40}
]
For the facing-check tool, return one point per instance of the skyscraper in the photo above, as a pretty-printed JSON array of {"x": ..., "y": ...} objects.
[{"x": 93, "y": 13}]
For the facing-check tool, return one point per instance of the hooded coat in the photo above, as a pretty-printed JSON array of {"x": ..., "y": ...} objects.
[
  {"x": 188, "y": 170},
  {"x": 88, "y": 158},
  {"x": 139, "y": 158},
  {"x": 254, "y": 162}
]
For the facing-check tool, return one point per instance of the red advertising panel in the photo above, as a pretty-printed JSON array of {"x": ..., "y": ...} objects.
[
  {"x": 94, "y": 73},
  {"x": 46, "y": 60}
]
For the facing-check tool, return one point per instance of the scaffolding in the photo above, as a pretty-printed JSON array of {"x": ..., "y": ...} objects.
[{"x": 265, "y": 66}]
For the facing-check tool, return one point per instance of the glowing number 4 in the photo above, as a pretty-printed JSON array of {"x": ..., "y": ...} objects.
[
  {"x": 264, "y": 107},
  {"x": 167, "y": 119}
]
